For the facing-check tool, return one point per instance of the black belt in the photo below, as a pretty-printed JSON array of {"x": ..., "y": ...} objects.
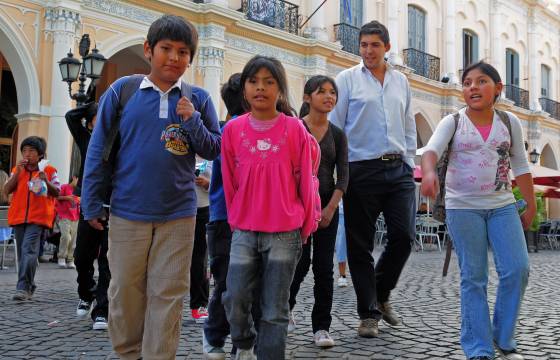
[{"x": 390, "y": 157}]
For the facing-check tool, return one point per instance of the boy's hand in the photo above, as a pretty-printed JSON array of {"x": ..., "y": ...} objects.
[
  {"x": 42, "y": 175},
  {"x": 185, "y": 108},
  {"x": 202, "y": 182},
  {"x": 21, "y": 165}
]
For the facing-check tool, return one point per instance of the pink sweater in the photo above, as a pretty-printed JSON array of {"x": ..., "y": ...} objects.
[{"x": 267, "y": 176}]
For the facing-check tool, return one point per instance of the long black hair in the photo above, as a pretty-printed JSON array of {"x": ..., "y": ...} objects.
[
  {"x": 278, "y": 73},
  {"x": 311, "y": 86},
  {"x": 486, "y": 69}
]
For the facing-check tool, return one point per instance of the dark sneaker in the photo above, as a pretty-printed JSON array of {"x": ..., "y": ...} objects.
[
  {"x": 83, "y": 309},
  {"x": 21, "y": 295},
  {"x": 509, "y": 355},
  {"x": 368, "y": 328},
  {"x": 100, "y": 323},
  {"x": 389, "y": 315}
]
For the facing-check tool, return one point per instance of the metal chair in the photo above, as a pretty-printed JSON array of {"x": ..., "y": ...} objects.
[
  {"x": 9, "y": 242},
  {"x": 552, "y": 235}
]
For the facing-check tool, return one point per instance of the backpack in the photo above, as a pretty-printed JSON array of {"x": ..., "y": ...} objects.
[
  {"x": 129, "y": 87},
  {"x": 441, "y": 167}
]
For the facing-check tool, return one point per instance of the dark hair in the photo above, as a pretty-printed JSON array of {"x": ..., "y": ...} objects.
[
  {"x": 311, "y": 86},
  {"x": 36, "y": 142},
  {"x": 174, "y": 28},
  {"x": 375, "y": 28},
  {"x": 278, "y": 73},
  {"x": 90, "y": 112},
  {"x": 486, "y": 69},
  {"x": 232, "y": 95}
]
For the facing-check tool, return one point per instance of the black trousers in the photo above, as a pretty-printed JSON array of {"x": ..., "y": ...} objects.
[
  {"x": 92, "y": 244},
  {"x": 323, "y": 242},
  {"x": 200, "y": 286},
  {"x": 378, "y": 186}
]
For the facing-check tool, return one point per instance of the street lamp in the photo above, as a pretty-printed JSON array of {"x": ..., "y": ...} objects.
[
  {"x": 92, "y": 68},
  {"x": 534, "y": 156}
]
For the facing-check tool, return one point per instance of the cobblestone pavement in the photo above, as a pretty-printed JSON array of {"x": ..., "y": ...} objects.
[{"x": 46, "y": 327}]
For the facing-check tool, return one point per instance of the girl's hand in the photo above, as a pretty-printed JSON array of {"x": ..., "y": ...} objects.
[
  {"x": 430, "y": 184},
  {"x": 185, "y": 108},
  {"x": 326, "y": 217},
  {"x": 527, "y": 217}
]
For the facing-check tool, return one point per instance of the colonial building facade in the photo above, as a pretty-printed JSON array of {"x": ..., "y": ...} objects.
[{"x": 431, "y": 41}]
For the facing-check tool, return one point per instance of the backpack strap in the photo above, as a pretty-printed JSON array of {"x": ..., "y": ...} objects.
[
  {"x": 456, "y": 118},
  {"x": 504, "y": 117},
  {"x": 128, "y": 89}
]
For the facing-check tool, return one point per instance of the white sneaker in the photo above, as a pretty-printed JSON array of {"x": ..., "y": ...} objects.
[
  {"x": 210, "y": 352},
  {"x": 509, "y": 355},
  {"x": 245, "y": 354},
  {"x": 291, "y": 323},
  {"x": 100, "y": 323},
  {"x": 342, "y": 281},
  {"x": 71, "y": 265},
  {"x": 323, "y": 339},
  {"x": 62, "y": 263},
  {"x": 83, "y": 309}
]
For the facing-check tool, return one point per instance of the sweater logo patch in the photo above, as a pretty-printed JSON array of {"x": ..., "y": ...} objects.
[{"x": 175, "y": 139}]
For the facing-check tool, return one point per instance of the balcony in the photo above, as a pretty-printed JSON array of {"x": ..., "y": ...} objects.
[
  {"x": 278, "y": 14},
  {"x": 519, "y": 96},
  {"x": 348, "y": 36},
  {"x": 424, "y": 64},
  {"x": 550, "y": 106}
]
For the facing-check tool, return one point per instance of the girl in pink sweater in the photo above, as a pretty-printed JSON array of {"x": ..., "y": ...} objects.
[{"x": 270, "y": 199}]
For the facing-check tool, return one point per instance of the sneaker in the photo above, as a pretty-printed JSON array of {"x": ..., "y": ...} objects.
[
  {"x": 83, "y": 309},
  {"x": 210, "y": 352},
  {"x": 291, "y": 322},
  {"x": 199, "y": 315},
  {"x": 389, "y": 315},
  {"x": 21, "y": 295},
  {"x": 62, "y": 263},
  {"x": 509, "y": 355},
  {"x": 323, "y": 339},
  {"x": 100, "y": 323},
  {"x": 245, "y": 354},
  {"x": 71, "y": 265},
  {"x": 368, "y": 328},
  {"x": 342, "y": 281}
]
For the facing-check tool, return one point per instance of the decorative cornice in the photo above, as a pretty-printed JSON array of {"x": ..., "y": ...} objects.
[
  {"x": 122, "y": 10},
  {"x": 210, "y": 57},
  {"x": 61, "y": 24}
]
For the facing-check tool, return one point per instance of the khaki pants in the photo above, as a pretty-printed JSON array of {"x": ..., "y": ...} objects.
[
  {"x": 68, "y": 231},
  {"x": 150, "y": 264}
]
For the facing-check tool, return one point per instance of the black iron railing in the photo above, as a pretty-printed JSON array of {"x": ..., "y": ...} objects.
[
  {"x": 550, "y": 106},
  {"x": 424, "y": 64},
  {"x": 278, "y": 14},
  {"x": 519, "y": 96},
  {"x": 348, "y": 36}
]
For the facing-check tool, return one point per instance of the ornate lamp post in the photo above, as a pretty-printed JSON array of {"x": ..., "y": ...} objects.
[
  {"x": 92, "y": 68},
  {"x": 534, "y": 156}
]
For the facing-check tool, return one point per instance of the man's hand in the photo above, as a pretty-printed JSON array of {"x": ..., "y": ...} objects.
[
  {"x": 430, "y": 184},
  {"x": 202, "y": 182},
  {"x": 185, "y": 108},
  {"x": 96, "y": 223}
]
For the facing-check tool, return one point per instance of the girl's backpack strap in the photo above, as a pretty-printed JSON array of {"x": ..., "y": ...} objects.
[{"x": 504, "y": 117}]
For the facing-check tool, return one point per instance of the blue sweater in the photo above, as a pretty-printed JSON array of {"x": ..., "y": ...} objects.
[
  {"x": 216, "y": 194},
  {"x": 153, "y": 177}
]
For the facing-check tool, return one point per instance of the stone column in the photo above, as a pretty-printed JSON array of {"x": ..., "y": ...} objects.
[
  {"x": 317, "y": 22},
  {"x": 61, "y": 25},
  {"x": 534, "y": 88},
  {"x": 210, "y": 65},
  {"x": 497, "y": 53},
  {"x": 393, "y": 12},
  {"x": 450, "y": 45}
]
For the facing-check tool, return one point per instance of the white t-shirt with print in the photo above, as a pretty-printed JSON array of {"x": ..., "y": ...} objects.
[{"x": 478, "y": 171}]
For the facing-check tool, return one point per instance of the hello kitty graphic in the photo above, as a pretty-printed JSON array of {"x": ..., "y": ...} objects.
[
  {"x": 502, "y": 173},
  {"x": 264, "y": 144}
]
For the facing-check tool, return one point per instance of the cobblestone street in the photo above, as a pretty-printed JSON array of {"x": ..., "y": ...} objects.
[{"x": 47, "y": 328}]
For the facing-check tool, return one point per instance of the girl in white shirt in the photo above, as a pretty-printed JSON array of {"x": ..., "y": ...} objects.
[{"x": 481, "y": 212}]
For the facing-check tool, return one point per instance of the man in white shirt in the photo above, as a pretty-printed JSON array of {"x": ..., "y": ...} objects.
[{"x": 374, "y": 110}]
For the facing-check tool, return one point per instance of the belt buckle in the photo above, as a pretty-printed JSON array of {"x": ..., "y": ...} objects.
[{"x": 383, "y": 158}]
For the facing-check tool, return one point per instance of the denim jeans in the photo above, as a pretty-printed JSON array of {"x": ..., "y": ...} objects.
[
  {"x": 28, "y": 238},
  {"x": 267, "y": 260},
  {"x": 340, "y": 245},
  {"x": 472, "y": 232}
]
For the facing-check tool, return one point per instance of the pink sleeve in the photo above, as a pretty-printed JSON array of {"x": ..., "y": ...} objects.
[
  {"x": 306, "y": 188},
  {"x": 228, "y": 167}
]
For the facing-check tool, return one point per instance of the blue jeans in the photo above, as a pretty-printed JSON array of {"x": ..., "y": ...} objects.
[
  {"x": 340, "y": 246},
  {"x": 267, "y": 260},
  {"x": 472, "y": 231}
]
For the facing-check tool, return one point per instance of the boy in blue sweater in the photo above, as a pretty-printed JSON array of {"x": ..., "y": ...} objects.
[{"x": 153, "y": 203}]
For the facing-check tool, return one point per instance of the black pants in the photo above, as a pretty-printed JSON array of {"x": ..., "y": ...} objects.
[
  {"x": 92, "y": 244},
  {"x": 200, "y": 286},
  {"x": 323, "y": 252},
  {"x": 216, "y": 327},
  {"x": 378, "y": 186}
]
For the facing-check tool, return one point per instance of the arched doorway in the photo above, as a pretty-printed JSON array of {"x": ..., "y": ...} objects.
[
  {"x": 8, "y": 110},
  {"x": 547, "y": 158},
  {"x": 423, "y": 130}
]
